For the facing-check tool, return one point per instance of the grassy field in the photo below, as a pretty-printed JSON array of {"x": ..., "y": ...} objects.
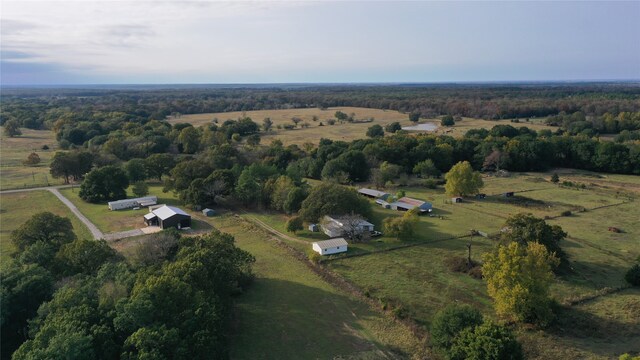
[
  {"x": 418, "y": 280},
  {"x": 113, "y": 221},
  {"x": 13, "y": 174},
  {"x": 17, "y": 208},
  {"x": 346, "y": 131},
  {"x": 291, "y": 313}
]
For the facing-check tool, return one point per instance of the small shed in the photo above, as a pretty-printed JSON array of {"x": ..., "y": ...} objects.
[
  {"x": 314, "y": 228},
  {"x": 456, "y": 200},
  {"x": 331, "y": 246},
  {"x": 208, "y": 212},
  {"x": 168, "y": 216}
]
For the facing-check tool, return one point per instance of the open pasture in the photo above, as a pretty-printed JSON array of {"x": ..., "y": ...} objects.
[
  {"x": 289, "y": 312},
  {"x": 339, "y": 131},
  {"x": 13, "y": 151},
  {"x": 17, "y": 208}
]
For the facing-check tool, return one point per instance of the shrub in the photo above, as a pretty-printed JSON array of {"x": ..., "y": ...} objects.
[
  {"x": 45, "y": 147},
  {"x": 633, "y": 275},
  {"x": 450, "y": 321},
  {"x": 430, "y": 183},
  {"x": 488, "y": 341},
  {"x": 331, "y": 121},
  {"x": 294, "y": 224},
  {"x": 566, "y": 213},
  {"x": 140, "y": 188},
  {"x": 447, "y": 120},
  {"x": 288, "y": 126}
]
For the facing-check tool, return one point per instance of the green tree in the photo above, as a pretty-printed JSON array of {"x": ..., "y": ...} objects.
[
  {"x": 294, "y": 224},
  {"x": 555, "y": 178},
  {"x": 632, "y": 276},
  {"x": 267, "y": 124},
  {"x": 140, "y": 189},
  {"x": 426, "y": 169},
  {"x": 393, "y": 127},
  {"x": 447, "y": 120},
  {"x": 401, "y": 227},
  {"x": 252, "y": 181},
  {"x": 103, "y": 184},
  {"x": 136, "y": 170},
  {"x": 157, "y": 165},
  {"x": 152, "y": 343},
  {"x": 12, "y": 128},
  {"x": 375, "y": 131},
  {"x": 462, "y": 180},
  {"x": 488, "y": 341},
  {"x": 23, "y": 289},
  {"x": 43, "y": 227},
  {"x": 189, "y": 138},
  {"x": 518, "y": 279},
  {"x": 84, "y": 256},
  {"x": 526, "y": 228},
  {"x": 414, "y": 116},
  {"x": 333, "y": 199},
  {"x": 450, "y": 321},
  {"x": 341, "y": 116},
  {"x": 71, "y": 165}
]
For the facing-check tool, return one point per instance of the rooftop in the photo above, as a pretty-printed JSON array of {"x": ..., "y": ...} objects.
[
  {"x": 372, "y": 192},
  {"x": 166, "y": 211},
  {"x": 331, "y": 243}
]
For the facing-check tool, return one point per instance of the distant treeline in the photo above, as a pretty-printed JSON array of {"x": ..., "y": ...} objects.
[{"x": 41, "y": 108}]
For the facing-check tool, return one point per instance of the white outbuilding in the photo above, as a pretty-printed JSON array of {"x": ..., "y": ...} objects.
[
  {"x": 331, "y": 246},
  {"x": 131, "y": 203}
]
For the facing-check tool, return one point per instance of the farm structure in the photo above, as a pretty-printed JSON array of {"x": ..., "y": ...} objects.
[
  {"x": 208, "y": 212},
  {"x": 339, "y": 226},
  {"x": 131, "y": 203},
  {"x": 374, "y": 194},
  {"x": 407, "y": 203},
  {"x": 331, "y": 246},
  {"x": 168, "y": 216}
]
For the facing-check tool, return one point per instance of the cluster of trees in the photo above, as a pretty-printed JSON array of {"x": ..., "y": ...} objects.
[
  {"x": 579, "y": 123},
  {"x": 68, "y": 298},
  {"x": 42, "y": 108}
]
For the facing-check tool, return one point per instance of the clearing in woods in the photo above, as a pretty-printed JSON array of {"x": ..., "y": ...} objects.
[
  {"x": 339, "y": 131},
  {"x": 13, "y": 151}
]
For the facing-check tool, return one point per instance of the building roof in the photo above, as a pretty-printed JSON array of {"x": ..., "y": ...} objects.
[
  {"x": 167, "y": 211},
  {"x": 331, "y": 243},
  {"x": 371, "y": 192},
  {"x": 141, "y": 199},
  {"x": 340, "y": 221},
  {"x": 149, "y": 216},
  {"x": 410, "y": 201}
]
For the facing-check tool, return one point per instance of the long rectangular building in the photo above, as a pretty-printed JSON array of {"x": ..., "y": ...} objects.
[{"x": 131, "y": 203}]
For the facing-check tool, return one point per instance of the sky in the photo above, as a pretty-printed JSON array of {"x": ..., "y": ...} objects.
[{"x": 164, "y": 42}]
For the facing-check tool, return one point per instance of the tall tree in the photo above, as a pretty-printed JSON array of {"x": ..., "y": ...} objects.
[
  {"x": 12, "y": 128},
  {"x": 526, "y": 228},
  {"x": 43, "y": 227},
  {"x": 105, "y": 183},
  {"x": 518, "y": 279},
  {"x": 462, "y": 180},
  {"x": 159, "y": 164}
]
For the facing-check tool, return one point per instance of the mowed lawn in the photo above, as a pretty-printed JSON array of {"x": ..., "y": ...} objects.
[
  {"x": 113, "y": 221},
  {"x": 291, "y": 313},
  {"x": 13, "y": 174},
  {"x": 17, "y": 208}
]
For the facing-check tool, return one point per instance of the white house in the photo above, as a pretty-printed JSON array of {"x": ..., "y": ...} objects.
[
  {"x": 339, "y": 226},
  {"x": 131, "y": 203},
  {"x": 331, "y": 246}
]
